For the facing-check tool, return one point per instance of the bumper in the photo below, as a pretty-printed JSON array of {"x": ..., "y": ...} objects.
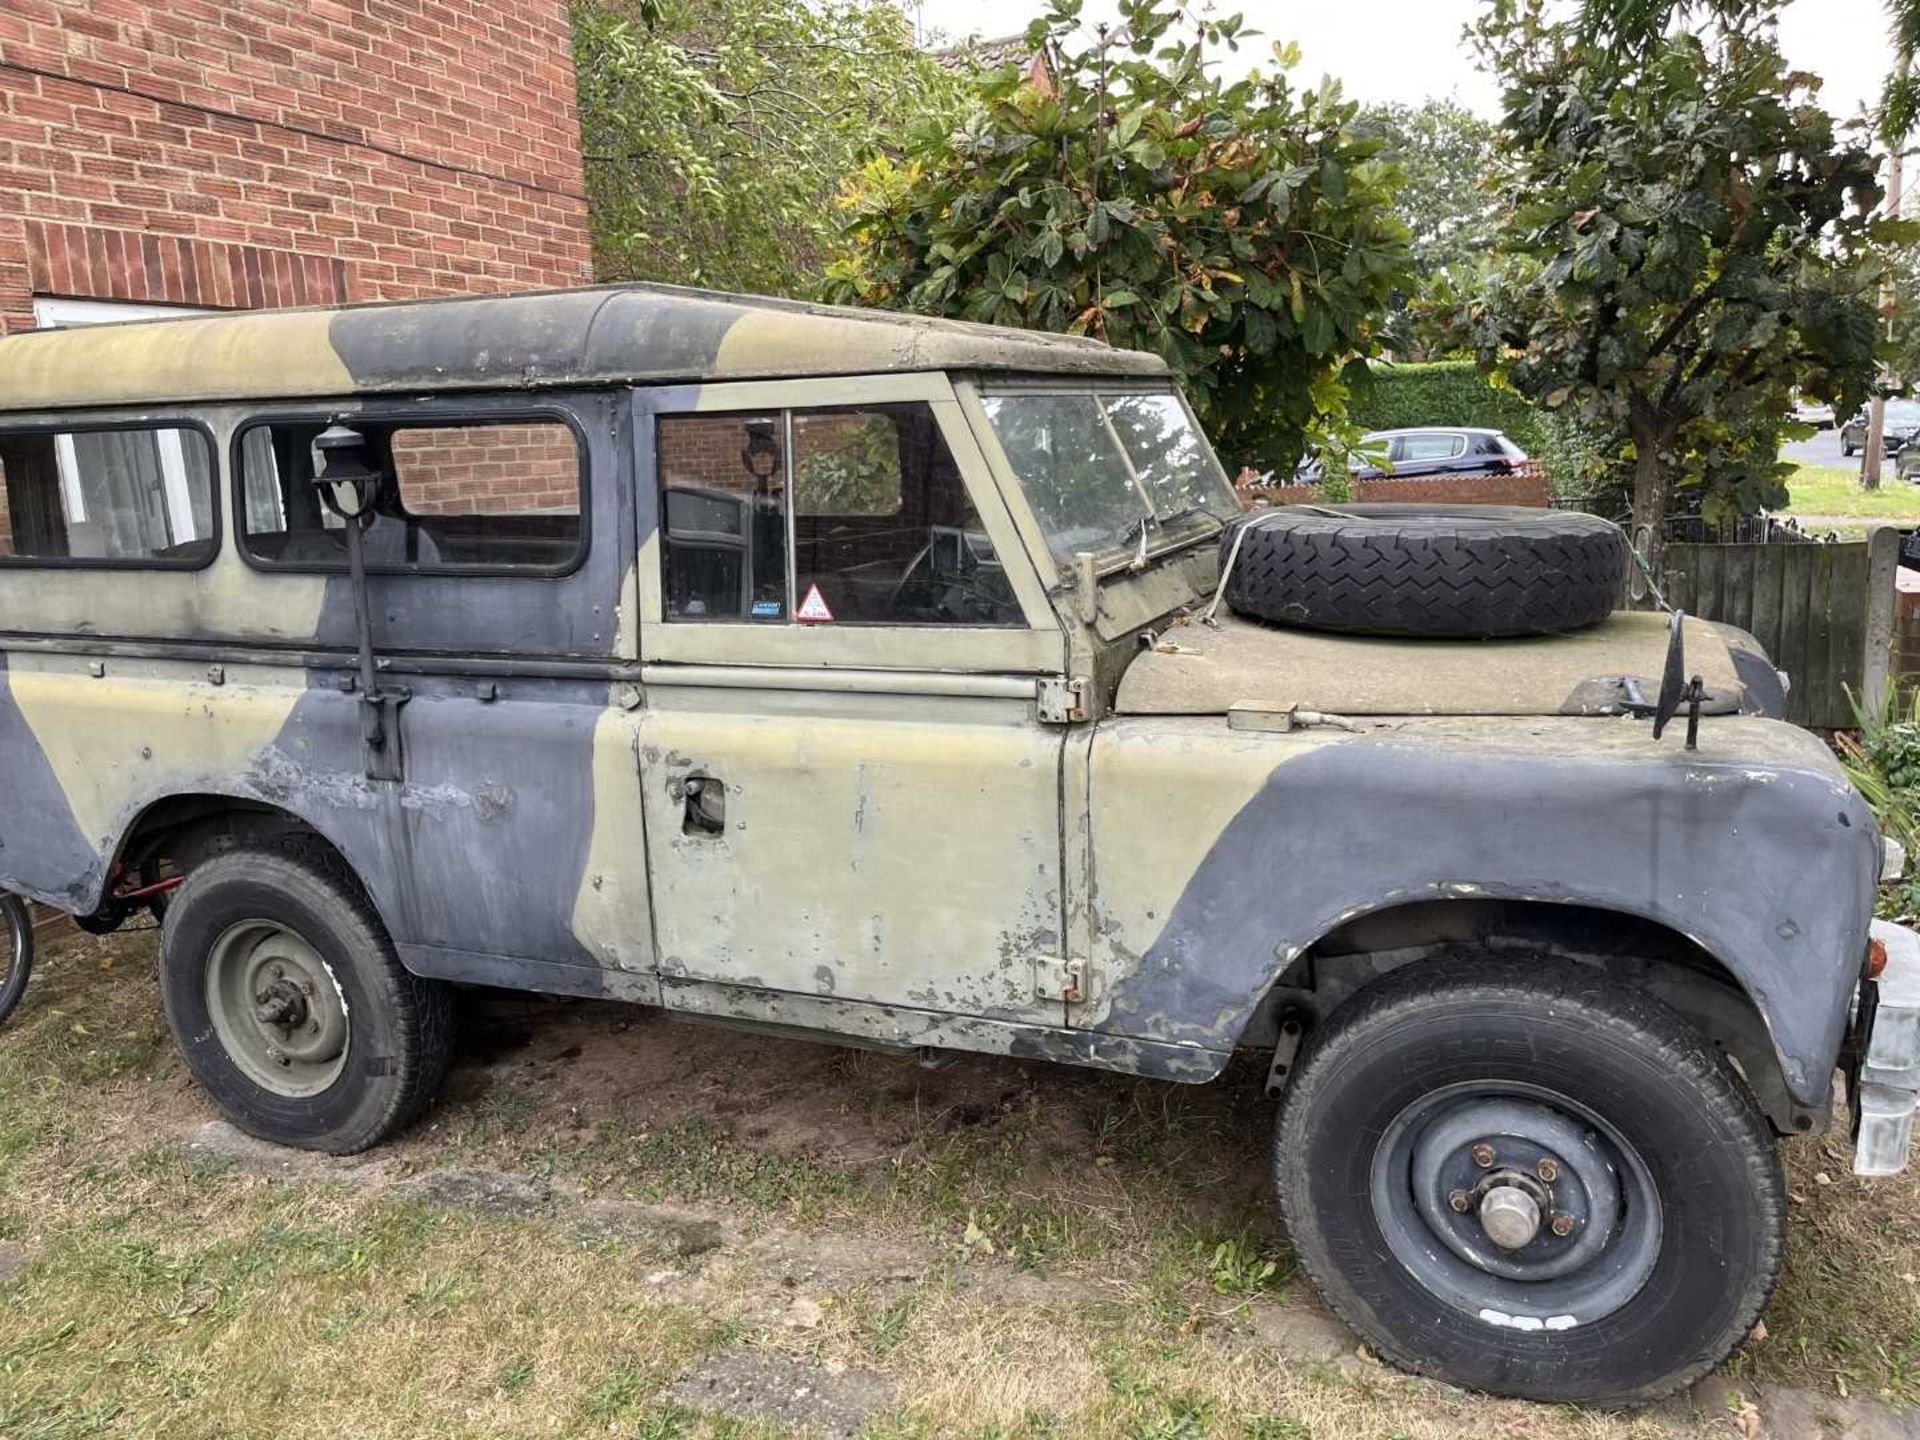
[{"x": 1888, "y": 1088}]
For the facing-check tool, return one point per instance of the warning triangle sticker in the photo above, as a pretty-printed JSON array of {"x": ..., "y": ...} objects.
[{"x": 814, "y": 607}]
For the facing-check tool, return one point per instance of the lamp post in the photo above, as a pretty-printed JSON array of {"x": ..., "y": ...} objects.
[{"x": 1875, "y": 453}]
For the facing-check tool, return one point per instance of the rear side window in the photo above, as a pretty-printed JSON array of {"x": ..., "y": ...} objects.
[
  {"x": 1432, "y": 447},
  {"x": 110, "y": 495},
  {"x": 469, "y": 496}
]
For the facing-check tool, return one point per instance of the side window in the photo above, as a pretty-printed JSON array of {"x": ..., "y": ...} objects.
[
  {"x": 466, "y": 496},
  {"x": 849, "y": 516},
  {"x": 139, "y": 495},
  {"x": 1432, "y": 447}
]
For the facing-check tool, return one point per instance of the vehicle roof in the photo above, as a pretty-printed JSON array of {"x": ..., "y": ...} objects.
[
  {"x": 1434, "y": 430},
  {"x": 596, "y": 335}
]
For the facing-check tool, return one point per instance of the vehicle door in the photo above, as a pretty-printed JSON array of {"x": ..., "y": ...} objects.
[
  {"x": 852, "y": 804},
  {"x": 507, "y": 848}
]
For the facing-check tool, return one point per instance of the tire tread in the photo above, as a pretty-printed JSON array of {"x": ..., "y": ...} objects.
[{"x": 1662, "y": 1033}]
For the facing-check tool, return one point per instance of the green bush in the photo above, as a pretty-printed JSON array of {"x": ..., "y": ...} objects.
[{"x": 1445, "y": 392}]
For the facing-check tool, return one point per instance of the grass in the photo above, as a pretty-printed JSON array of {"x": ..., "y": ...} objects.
[
  {"x": 1022, "y": 1251},
  {"x": 1835, "y": 490}
]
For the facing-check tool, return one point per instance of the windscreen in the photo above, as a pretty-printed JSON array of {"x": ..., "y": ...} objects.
[{"x": 1100, "y": 467}]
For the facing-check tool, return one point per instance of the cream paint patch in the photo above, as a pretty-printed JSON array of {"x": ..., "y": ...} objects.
[
  {"x": 911, "y": 862},
  {"x": 227, "y": 599},
  {"x": 146, "y": 729},
  {"x": 611, "y": 913},
  {"x": 775, "y": 343},
  {"x": 219, "y": 358},
  {"x": 1163, "y": 790}
]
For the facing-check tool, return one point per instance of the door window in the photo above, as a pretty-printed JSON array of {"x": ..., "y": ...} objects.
[
  {"x": 852, "y": 515},
  {"x": 108, "y": 494},
  {"x": 468, "y": 496}
]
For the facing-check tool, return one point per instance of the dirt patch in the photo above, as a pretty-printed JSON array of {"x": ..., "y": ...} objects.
[
  {"x": 754, "y": 1385},
  {"x": 14, "y": 1257},
  {"x": 481, "y": 1192},
  {"x": 681, "y": 1233},
  {"x": 218, "y": 1142}
]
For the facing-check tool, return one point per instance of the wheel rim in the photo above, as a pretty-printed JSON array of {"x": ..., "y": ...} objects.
[
  {"x": 1516, "y": 1205},
  {"x": 277, "y": 1009},
  {"x": 19, "y": 927}
]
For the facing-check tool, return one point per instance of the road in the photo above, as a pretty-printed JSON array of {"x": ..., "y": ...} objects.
[{"x": 1822, "y": 449}]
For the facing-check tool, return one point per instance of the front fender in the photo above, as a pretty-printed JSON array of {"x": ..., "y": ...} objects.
[{"x": 1220, "y": 856}]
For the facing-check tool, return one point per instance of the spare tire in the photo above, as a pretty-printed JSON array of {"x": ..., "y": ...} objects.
[{"x": 1440, "y": 570}]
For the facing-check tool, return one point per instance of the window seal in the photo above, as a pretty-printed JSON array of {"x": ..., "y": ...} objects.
[
  {"x": 454, "y": 416},
  {"x": 215, "y": 518}
]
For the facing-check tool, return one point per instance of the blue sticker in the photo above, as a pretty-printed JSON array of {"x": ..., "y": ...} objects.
[{"x": 768, "y": 609}]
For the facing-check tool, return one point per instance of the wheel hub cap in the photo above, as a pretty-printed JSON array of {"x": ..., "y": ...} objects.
[
  {"x": 277, "y": 1009},
  {"x": 1511, "y": 1201},
  {"x": 1510, "y": 1216}
]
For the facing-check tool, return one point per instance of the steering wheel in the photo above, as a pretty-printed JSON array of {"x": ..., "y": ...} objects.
[{"x": 961, "y": 598}]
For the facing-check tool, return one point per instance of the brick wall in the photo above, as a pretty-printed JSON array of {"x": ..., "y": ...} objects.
[
  {"x": 237, "y": 153},
  {"x": 1526, "y": 486},
  {"x": 488, "y": 469}
]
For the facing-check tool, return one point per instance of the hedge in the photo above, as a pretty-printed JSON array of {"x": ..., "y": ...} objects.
[{"x": 1445, "y": 392}]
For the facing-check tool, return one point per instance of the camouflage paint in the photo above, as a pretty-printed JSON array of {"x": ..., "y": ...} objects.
[
  {"x": 1220, "y": 857},
  {"x": 1190, "y": 859},
  {"x": 609, "y": 335}
]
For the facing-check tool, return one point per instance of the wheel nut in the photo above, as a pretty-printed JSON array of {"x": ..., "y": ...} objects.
[
  {"x": 1562, "y": 1225},
  {"x": 1549, "y": 1171},
  {"x": 1483, "y": 1155},
  {"x": 1460, "y": 1201}
]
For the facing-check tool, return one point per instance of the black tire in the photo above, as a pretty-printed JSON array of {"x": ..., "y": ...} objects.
[
  {"x": 1456, "y": 570},
  {"x": 1645, "y": 1080},
  {"x": 398, "y": 1027},
  {"x": 16, "y": 951},
  {"x": 1847, "y": 448}
]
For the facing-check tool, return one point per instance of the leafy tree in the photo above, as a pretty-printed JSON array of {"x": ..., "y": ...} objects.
[
  {"x": 716, "y": 134},
  {"x": 1900, "y": 104},
  {"x": 1245, "y": 231},
  {"x": 1688, "y": 242},
  {"x": 1442, "y": 150}
]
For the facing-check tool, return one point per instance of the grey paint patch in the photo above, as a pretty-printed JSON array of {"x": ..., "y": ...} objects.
[
  {"x": 1361, "y": 826},
  {"x": 485, "y": 846},
  {"x": 43, "y": 852}
]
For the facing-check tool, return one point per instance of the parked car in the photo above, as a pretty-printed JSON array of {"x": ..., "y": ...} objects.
[
  {"x": 1817, "y": 413},
  {"x": 1902, "y": 427},
  {"x": 920, "y": 684},
  {"x": 1430, "y": 450}
]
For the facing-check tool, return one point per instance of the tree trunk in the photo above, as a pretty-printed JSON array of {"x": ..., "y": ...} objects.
[{"x": 1650, "y": 439}]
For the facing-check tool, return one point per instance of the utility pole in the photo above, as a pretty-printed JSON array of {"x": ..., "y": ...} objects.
[{"x": 1870, "y": 461}]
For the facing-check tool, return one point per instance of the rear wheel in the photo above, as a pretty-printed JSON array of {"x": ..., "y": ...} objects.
[
  {"x": 291, "y": 1008},
  {"x": 1560, "y": 1190},
  {"x": 16, "y": 951}
]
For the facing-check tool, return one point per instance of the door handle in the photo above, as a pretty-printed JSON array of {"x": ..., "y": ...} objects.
[{"x": 706, "y": 806}]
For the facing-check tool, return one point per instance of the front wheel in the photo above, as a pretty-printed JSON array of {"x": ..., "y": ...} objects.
[
  {"x": 1525, "y": 1179},
  {"x": 285, "y": 996}
]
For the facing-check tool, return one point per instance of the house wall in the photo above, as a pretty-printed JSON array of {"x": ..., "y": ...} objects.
[{"x": 240, "y": 153}]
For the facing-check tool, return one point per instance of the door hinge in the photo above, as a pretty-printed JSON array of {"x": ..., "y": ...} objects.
[
  {"x": 1062, "y": 701},
  {"x": 1057, "y": 978}
]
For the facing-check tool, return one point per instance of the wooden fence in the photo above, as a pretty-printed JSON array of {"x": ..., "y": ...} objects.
[{"x": 1823, "y": 612}]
